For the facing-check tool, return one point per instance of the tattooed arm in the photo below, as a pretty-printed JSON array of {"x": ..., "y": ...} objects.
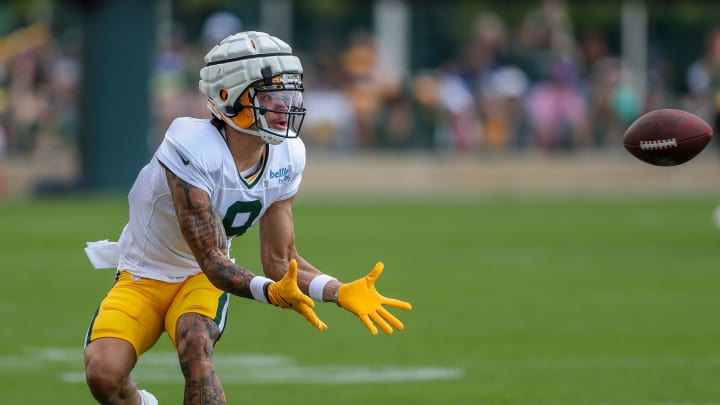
[{"x": 203, "y": 230}]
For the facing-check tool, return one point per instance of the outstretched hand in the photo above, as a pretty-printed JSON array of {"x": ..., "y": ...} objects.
[
  {"x": 362, "y": 299},
  {"x": 286, "y": 294}
]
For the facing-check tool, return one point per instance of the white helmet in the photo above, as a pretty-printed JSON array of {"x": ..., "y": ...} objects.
[{"x": 250, "y": 74}]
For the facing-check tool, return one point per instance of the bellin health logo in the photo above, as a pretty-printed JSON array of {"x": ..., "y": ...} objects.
[{"x": 281, "y": 174}]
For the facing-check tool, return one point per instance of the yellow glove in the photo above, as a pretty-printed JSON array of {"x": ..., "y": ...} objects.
[
  {"x": 286, "y": 294},
  {"x": 362, "y": 299}
]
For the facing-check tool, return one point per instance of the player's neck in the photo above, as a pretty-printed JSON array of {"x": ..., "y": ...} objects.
[{"x": 246, "y": 149}]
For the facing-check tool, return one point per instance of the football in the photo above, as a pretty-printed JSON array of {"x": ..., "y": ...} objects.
[{"x": 667, "y": 137}]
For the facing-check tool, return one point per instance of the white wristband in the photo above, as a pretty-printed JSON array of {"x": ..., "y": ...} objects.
[
  {"x": 317, "y": 285},
  {"x": 257, "y": 288}
]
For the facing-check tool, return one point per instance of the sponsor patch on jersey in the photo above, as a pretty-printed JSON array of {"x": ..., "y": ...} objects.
[{"x": 281, "y": 175}]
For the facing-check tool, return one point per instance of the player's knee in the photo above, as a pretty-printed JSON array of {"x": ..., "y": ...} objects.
[
  {"x": 196, "y": 336},
  {"x": 106, "y": 381},
  {"x": 103, "y": 383},
  {"x": 195, "y": 347},
  {"x": 195, "y": 353}
]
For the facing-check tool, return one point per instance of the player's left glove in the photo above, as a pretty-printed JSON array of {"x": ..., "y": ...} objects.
[
  {"x": 286, "y": 294},
  {"x": 362, "y": 299}
]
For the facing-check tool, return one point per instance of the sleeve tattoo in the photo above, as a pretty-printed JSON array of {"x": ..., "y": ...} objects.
[{"x": 203, "y": 230}]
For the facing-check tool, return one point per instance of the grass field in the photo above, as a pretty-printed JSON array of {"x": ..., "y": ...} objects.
[{"x": 517, "y": 301}]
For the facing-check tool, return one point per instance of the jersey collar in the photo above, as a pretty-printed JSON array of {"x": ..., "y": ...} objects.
[{"x": 251, "y": 180}]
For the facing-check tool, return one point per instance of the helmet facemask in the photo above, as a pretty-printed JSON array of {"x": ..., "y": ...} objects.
[{"x": 277, "y": 108}]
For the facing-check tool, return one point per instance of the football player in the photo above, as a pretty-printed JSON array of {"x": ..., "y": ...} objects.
[{"x": 209, "y": 181}]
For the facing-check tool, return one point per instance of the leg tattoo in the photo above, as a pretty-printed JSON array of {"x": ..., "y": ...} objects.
[{"x": 196, "y": 335}]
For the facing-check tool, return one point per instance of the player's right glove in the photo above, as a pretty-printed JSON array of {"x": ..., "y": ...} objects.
[
  {"x": 362, "y": 299},
  {"x": 286, "y": 294}
]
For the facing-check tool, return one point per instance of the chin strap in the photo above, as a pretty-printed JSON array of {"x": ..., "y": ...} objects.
[{"x": 268, "y": 138}]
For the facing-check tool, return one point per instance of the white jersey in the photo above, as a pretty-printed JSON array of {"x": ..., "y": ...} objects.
[{"x": 151, "y": 244}]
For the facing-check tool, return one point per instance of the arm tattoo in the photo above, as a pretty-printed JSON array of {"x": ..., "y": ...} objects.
[{"x": 204, "y": 232}]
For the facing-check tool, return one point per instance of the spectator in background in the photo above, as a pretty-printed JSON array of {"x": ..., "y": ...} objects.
[
  {"x": 395, "y": 122},
  {"x": 544, "y": 41},
  {"x": 366, "y": 86},
  {"x": 461, "y": 125},
  {"x": 175, "y": 60},
  {"x": 329, "y": 122},
  {"x": 498, "y": 83},
  {"x": 462, "y": 88},
  {"x": 557, "y": 109},
  {"x": 25, "y": 109},
  {"x": 661, "y": 73},
  {"x": 545, "y": 32},
  {"x": 172, "y": 95},
  {"x": 502, "y": 107},
  {"x": 612, "y": 105},
  {"x": 425, "y": 91},
  {"x": 703, "y": 80},
  {"x": 28, "y": 107},
  {"x": 64, "y": 89},
  {"x": 219, "y": 25}
]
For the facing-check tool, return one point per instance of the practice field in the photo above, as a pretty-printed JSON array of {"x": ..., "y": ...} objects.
[{"x": 517, "y": 301}]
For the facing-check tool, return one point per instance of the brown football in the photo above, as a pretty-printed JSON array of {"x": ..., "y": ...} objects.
[{"x": 667, "y": 137}]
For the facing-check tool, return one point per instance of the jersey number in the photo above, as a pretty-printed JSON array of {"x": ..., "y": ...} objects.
[{"x": 249, "y": 208}]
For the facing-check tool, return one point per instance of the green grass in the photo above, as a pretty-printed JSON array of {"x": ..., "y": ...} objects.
[{"x": 516, "y": 301}]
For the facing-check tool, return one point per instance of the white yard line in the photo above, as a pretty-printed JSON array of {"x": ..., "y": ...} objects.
[{"x": 162, "y": 367}]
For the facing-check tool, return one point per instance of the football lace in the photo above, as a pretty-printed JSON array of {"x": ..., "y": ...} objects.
[{"x": 659, "y": 144}]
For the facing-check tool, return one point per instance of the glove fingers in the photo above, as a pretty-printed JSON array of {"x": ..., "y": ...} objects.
[
  {"x": 301, "y": 299},
  {"x": 381, "y": 323},
  {"x": 311, "y": 316},
  {"x": 292, "y": 270},
  {"x": 391, "y": 319},
  {"x": 376, "y": 272},
  {"x": 368, "y": 324},
  {"x": 392, "y": 302}
]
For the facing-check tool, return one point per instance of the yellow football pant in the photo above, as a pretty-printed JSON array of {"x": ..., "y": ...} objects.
[{"x": 139, "y": 310}]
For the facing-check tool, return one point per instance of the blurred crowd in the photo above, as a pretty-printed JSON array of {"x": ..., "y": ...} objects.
[
  {"x": 39, "y": 90},
  {"x": 535, "y": 86}
]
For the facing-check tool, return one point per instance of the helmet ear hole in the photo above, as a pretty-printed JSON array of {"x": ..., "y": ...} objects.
[{"x": 228, "y": 110}]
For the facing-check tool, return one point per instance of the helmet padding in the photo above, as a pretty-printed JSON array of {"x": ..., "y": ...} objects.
[{"x": 234, "y": 65}]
